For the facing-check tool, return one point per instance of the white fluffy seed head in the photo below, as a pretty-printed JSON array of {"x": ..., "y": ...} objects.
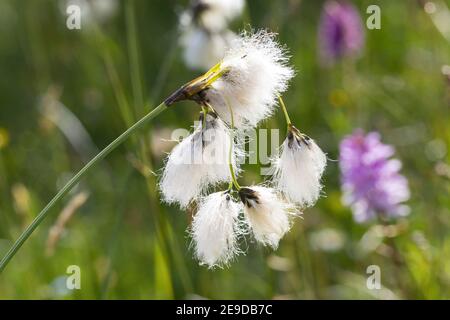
[
  {"x": 267, "y": 214},
  {"x": 215, "y": 230},
  {"x": 299, "y": 169},
  {"x": 257, "y": 72},
  {"x": 201, "y": 49},
  {"x": 198, "y": 162}
]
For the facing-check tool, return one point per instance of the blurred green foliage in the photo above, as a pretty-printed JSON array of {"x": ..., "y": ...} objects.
[{"x": 129, "y": 245}]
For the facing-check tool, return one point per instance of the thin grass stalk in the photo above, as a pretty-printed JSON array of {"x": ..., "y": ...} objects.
[
  {"x": 164, "y": 227},
  {"x": 114, "y": 237},
  {"x": 133, "y": 53},
  {"x": 144, "y": 143}
]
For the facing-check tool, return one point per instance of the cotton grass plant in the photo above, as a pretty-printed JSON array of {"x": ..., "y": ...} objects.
[{"x": 239, "y": 92}]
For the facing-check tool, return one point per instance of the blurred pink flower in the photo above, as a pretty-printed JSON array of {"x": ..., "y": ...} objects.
[
  {"x": 341, "y": 32},
  {"x": 371, "y": 181}
]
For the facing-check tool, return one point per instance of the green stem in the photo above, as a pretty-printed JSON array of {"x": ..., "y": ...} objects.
[
  {"x": 233, "y": 181},
  {"x": 101, "y": 155},
  {"x": 286, "y": 115},
  {"x": 230, "y": 151},
  {"x": 230, "y": 165}
]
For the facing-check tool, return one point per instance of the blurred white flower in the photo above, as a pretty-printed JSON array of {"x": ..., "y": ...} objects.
[
  {"x": 268, "y": 215},
  {"x": 204, "y": 31},
  {"x": 202, "y": 49},
  {"x": 256, "y": 72},
  {"x": 215, "y": 229},
  {"x": 299, "y": 168},
  {"x": 212, "y": 15},
  {"x": 198, "y": 162},
  {"x": 219, "y": 13}
]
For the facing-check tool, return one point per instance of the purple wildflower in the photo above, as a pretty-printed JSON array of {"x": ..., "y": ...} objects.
[
  {"x": 371, "y": 182},
  {"x": 341, "y": 32}
]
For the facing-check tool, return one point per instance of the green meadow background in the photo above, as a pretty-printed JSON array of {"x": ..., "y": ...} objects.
[{"x": 65, "y": 94}]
